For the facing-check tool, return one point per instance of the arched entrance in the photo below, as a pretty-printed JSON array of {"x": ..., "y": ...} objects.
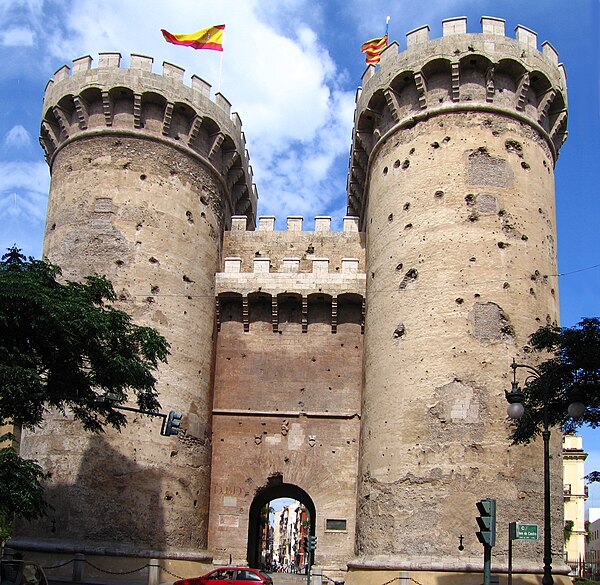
[{"x": 256, "y": 519}]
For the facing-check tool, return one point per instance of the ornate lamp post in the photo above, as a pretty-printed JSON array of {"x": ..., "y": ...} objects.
[{"x": 516, "y": 410}]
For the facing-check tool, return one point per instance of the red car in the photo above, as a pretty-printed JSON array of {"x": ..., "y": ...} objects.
[{"x": 229, "y": 575}]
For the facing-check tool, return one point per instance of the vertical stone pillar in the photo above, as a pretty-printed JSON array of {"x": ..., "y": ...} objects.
[
  {"x": 78, "y": 568},
  {"x": 153, "y": 572},
  {"x": 142, "y": 188},
  {"x": 452, "y": 176}
]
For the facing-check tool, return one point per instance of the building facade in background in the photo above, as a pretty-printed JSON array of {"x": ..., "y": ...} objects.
[
  {"x": 290, "y": 527},
  {"x": 592, "y": 545},
  {"x": 575, "y": 493},
  {"x": 362, "y": 372}
]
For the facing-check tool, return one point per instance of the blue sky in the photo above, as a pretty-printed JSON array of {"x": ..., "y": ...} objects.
[{"x": 290, "y": 69}]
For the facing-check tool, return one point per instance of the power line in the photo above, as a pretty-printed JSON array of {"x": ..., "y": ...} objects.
[
  {"x": 580, "y": 270},
  {"x": 558, "y": 275}
]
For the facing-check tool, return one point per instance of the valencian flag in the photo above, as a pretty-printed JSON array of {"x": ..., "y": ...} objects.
[
  {"x": 207, "y": 38},
  {"x": 374, "y": 48}
]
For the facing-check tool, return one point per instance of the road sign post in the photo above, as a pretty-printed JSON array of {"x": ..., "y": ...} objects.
[
  {"x": 522, "y": 531},
  {"x": 519, "y": 531}
]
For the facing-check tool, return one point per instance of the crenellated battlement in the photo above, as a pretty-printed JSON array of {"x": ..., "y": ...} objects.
[
  {"x": 293, "y": 259},
  {"x": 266, "y": 223},
  {"x": 458, "y": 72},
  {"x": 277, "y": 267},
  {"x": 490, "y": 25},
  {"x": 82, "y": 101},
  {"x": 491, "y": 39},
  {"x": 361, "y": 372}
]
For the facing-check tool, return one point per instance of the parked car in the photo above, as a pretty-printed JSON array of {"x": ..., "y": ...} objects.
[
  {"x": 229, "y": 575},
  {"x": 13, "y": 572}
]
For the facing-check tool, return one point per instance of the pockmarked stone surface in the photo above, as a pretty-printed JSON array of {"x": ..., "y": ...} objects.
[{"x": 361, "y": 371}]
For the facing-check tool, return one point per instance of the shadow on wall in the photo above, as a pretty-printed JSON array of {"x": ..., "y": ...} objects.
[{"x": 114, "y": 501}]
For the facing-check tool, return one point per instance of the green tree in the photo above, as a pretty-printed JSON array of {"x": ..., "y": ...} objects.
[
  {"x": 21, "y": 490},
  {"x": 64, "y": 346},
  {"x": 571, "y": 373}
]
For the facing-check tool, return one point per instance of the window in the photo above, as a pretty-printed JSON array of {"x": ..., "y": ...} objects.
[
  {"x": 333, "y": 524},
  {"x": 248, "y": 576},
  {"x": 221, "y": 575}
]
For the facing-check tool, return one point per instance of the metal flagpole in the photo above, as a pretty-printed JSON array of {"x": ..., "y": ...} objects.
[{"x": 220, "y": 70}]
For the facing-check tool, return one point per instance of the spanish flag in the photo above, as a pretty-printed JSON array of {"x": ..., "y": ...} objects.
[
  {"x": 374, "y": 48},
  {"x": 207, "y": 38}
]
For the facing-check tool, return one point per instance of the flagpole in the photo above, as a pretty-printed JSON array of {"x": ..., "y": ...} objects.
[
  {"x": 220, "y": 70},
  {"x": 221, "y": 64},
  {"x": 387, "y": 25}
]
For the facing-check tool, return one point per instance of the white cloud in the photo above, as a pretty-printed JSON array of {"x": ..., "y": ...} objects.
[
  {"x": 20, "y": 10},
  {"x": 293, "y": 99},
  {"x": 17, "y": 37},
  {"x": 20, "y": 19},
  {"x": 288, "y": 91},
  {"x": 17, "y": 137},
  {"x": 24, "y": 190}
]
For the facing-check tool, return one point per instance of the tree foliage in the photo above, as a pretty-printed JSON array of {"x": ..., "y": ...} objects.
[
  {"x": 592, "y": 477},
  {"x": 570, "y": 374},
  {"x": 21, "y": 489},
  {"x": 64, "y": 346}
]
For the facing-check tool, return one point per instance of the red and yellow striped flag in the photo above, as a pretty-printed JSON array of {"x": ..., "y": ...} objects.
[
  {"x": 207, "y": 38},
  {"x": 373, "y": 49}
]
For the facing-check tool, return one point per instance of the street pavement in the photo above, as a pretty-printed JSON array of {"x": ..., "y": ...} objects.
[
  {"x": 288, "y": 579},
  {"x": 278, "y": 579}
]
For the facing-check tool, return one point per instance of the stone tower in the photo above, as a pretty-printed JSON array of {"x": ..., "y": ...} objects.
[
  {"x": 146, "y": 174},
  {"x": 361, "y": 373},
  {"x": 454, "y": 147}
]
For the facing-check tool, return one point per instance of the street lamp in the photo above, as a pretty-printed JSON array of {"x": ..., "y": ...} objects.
[{"x": 516, "y": 410}]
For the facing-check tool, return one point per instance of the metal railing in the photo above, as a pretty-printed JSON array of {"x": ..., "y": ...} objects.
[{"x": 152, "y": 568}]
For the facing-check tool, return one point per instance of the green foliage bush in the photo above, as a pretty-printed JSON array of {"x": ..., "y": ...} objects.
[{"x": 63, "y": 346}]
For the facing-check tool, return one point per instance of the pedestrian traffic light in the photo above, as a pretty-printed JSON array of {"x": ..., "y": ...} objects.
[
  {"x": 173, "y": 423},
  {"x": 486, "y": 522}
]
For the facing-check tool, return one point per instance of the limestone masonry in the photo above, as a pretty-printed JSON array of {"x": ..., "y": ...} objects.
[{"x": 360, "y": 372}]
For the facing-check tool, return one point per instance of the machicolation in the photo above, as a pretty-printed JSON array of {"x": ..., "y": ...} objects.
[
  {"x": 135, "y": 101},
  {"x": 360, "y": 372}
]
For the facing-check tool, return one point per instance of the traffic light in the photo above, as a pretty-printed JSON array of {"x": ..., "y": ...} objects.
[
  {"x": 486, "y": 522},
  {"x": 173, "y": 423},
  {"x": 311, "y": 543}
]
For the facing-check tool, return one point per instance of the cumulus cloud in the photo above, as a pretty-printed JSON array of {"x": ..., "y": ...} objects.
[
  {"x": 17, "y": 137},
  {"x": 295, "y": 102},
  {"x": 17, "y": 37},
  {"x": 295, "y": 108}
]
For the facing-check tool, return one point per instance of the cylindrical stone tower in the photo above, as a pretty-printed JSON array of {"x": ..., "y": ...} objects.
[
  {"x": 455, "y": 143},
  {"x": 146, "y": 174}
]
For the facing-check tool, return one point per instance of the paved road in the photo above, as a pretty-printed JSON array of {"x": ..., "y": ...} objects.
[
  {"x": 288, "y": 579},
  {"x": 278, "y": 579},
  {"x": 291, "y": 579}
]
